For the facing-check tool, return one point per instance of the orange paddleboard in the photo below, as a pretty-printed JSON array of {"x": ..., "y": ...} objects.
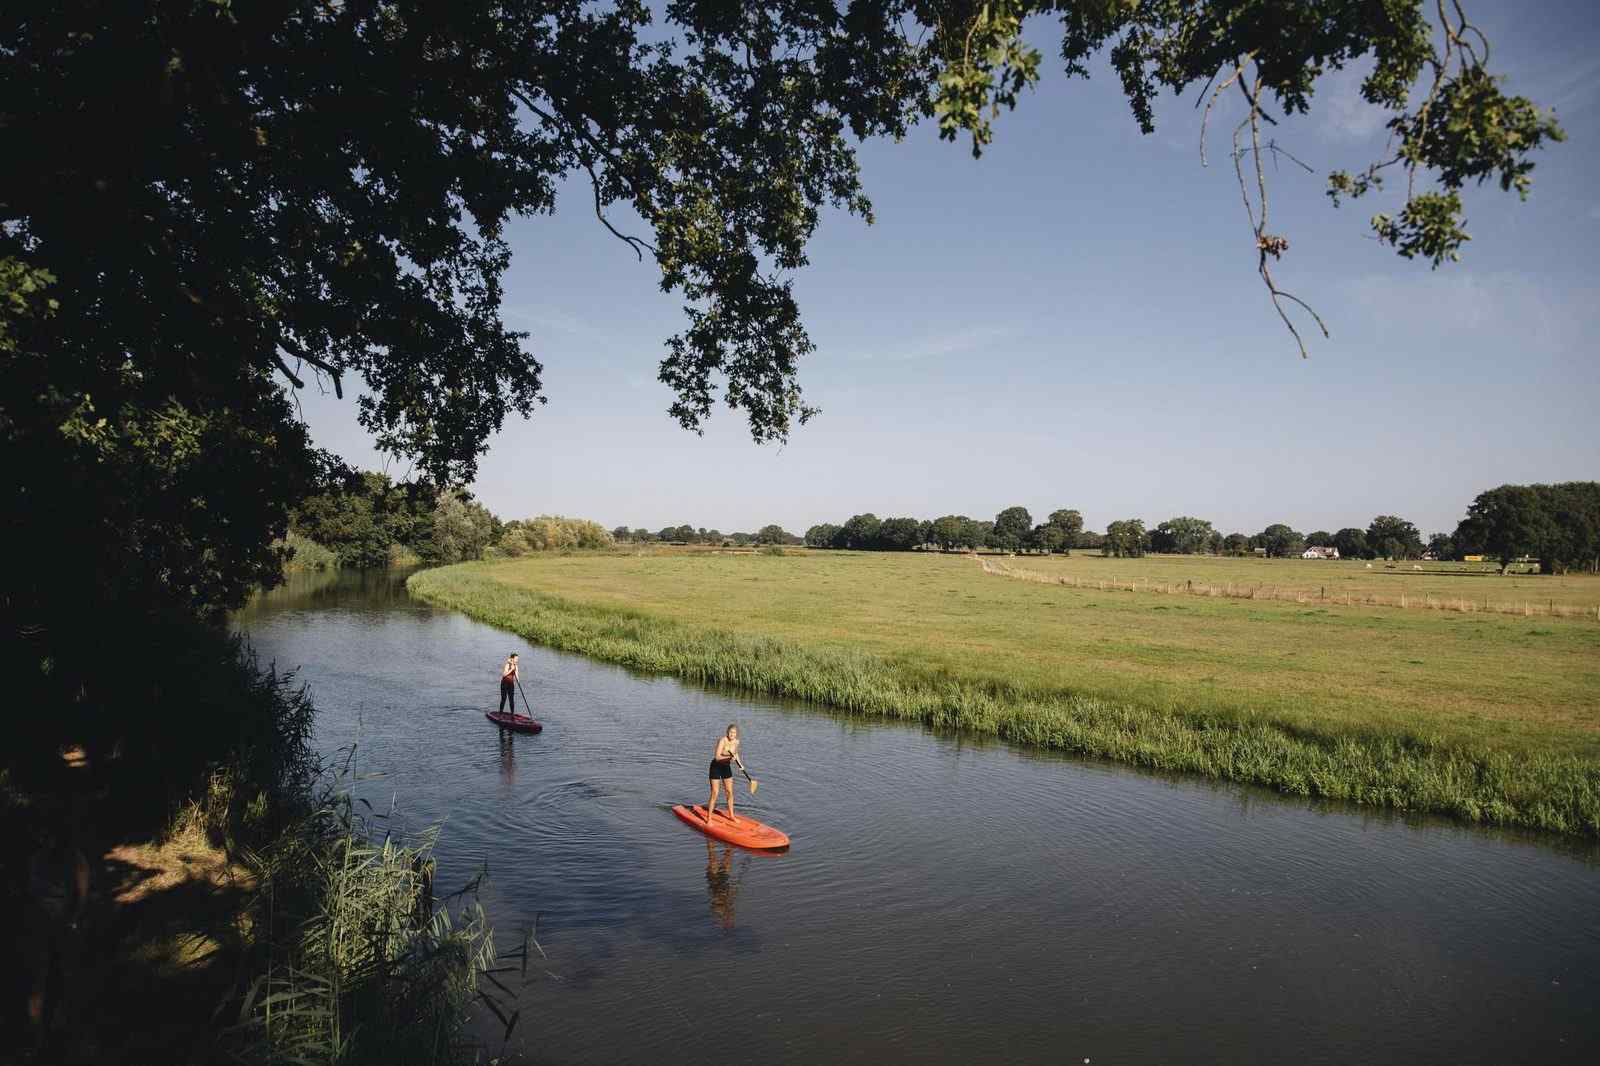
[{"x": 746, "y": 832}]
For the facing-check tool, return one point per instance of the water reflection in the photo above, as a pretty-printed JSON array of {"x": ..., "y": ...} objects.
[
  {"x": 721, "y": 883},
  {"x": 508, "y": 757}
]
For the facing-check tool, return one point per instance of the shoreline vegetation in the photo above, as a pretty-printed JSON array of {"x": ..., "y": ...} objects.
[
  {"x": 1543, "y": 776},
  {"x": 235, "y": 906}
]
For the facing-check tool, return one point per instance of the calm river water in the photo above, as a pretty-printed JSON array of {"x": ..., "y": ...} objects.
[{"x": 945, "y": 900}]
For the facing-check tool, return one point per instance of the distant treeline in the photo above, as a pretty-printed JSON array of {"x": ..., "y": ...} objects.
[
  {"x": 1013, "y": 529},
  {"x": 367, "y": 520},
  {"x": 686, "y": 534},
  {"x": 1558, "y": 525}
]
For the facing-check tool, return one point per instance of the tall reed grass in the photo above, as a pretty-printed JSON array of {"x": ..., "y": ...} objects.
[
  {"x": 1400, "y": 770},
  {"x": 355, "y": 962}
]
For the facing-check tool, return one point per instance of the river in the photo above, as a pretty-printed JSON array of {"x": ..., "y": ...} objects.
[{"x": 945, "y": 900}]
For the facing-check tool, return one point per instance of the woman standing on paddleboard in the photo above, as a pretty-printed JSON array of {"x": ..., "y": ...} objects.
[
  {"x": 723, "y": 760},
  {"x": 508, "y": 684}
]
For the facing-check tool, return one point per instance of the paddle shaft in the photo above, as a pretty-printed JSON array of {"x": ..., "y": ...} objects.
[{"x": 525, "y": 702}]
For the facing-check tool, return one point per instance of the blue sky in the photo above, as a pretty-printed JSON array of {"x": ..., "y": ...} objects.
[{"x": 1075, "y": 321}]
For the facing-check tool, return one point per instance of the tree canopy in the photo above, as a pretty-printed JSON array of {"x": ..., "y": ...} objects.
[
  {"x": 1558, "y": 524},
  {"x": 1281, "y": 541}
]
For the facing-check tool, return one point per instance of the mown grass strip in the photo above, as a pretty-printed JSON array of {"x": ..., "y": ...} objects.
[{"x": 1552, "y": 792}]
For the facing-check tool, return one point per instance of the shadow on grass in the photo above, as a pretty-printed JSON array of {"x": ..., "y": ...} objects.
[{"x": 139, "y": 976}]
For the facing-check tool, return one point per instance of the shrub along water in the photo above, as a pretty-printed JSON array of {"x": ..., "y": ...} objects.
[{"x": 1555, "y": 792}]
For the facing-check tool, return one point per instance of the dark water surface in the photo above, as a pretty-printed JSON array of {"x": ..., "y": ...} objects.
[{"x": 945, "y": 900}]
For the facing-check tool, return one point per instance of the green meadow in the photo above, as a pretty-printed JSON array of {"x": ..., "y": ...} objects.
[{"x": 1486, "y": 717}]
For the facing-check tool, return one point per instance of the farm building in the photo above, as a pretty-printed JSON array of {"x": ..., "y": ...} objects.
[{"x": 1320, "y": 553}]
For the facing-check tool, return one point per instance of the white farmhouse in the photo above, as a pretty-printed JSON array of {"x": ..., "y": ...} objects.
[{"x": 1320, "y": 553}]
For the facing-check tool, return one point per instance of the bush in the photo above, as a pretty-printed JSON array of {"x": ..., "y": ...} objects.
[{"x": 307, "y": 554}]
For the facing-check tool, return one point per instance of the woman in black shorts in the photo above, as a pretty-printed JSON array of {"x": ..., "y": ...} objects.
[{"x": 723, "y": 760}]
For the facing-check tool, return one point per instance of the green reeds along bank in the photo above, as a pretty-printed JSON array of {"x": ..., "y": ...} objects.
[
  {"x": 358, "y": 965},
  {"x": 791, "y": 647}
]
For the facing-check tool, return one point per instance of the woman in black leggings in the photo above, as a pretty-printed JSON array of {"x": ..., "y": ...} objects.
[{"x": 508, "y": 684}]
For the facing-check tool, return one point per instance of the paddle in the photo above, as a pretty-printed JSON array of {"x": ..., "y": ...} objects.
[
  {"x": 525, "y": 702},
  {"x": 753, "y": 782}
]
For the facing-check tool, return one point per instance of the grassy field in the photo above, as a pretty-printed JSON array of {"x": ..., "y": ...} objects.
[
  {"x": 1448, "y": 586},
  {"x": 1488, "y": 717}
]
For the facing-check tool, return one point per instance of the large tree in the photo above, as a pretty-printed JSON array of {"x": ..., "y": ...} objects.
[
  {"x": 1281, "y": 541},
  {"x": 1012, "y": 528},
  {"x": 1125, "y": 538},
  {"x": 1560, "y": 524},
  {"x": 949, "y": 531},
  {"x": 1182, "y": 536},
  {"x": 772, "y": 534},
  {"x": 1394, "y": 538},
  {"x": 1070, "y": 523},
  {"x": 1352, "y": 543},
  {"x": 860, "y": 532}
]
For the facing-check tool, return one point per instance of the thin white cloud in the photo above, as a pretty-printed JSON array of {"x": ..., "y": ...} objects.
[
  {"x": 968, "y": 341},
  {"x": 1570, "y": 90},
  {"x": 1345, "y": 114},
  {"x": 1439, "y": 305},
  {"x": 547, "y": 320}
]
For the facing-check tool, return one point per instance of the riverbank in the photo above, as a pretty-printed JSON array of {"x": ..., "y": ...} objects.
[
  {"x": 1322, "y": 702},
  {"x": 233, "y": 906}
]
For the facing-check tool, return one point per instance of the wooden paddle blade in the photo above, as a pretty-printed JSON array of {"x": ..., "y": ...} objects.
[{"x": 753, "y": 784}]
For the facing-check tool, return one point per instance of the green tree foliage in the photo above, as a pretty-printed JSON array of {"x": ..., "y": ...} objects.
[
  {"x": 462, "y": 529},
  {"x": 1125, "y": 539},
  {"x": 1393, "y": 538},
  {"x": 899, "y": 534},
  {"x": 1047, "y": 538},
  {"x": 772, "y": 534},
  {"x": 1236, "y": 544},
  {"x": 822, "y": 535},
  {"x": 1558, "y": 524},
  {"x": 1280, "y": 541},
  {"x": 1070, "y": 523},
  {"x": 860, "y": 532},
  {"x": 949, "y": 532},
  {"x": 1320, "y": 539},
  {"x": 1182, "y": 536},
  {"x": 684, "y": 534},
  {"x": 361, "y": 517},
  {"x": 1012, "y": 528},
  {"x": 1352, "y": 543},
  {"x": 1442, "y": 546}
]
